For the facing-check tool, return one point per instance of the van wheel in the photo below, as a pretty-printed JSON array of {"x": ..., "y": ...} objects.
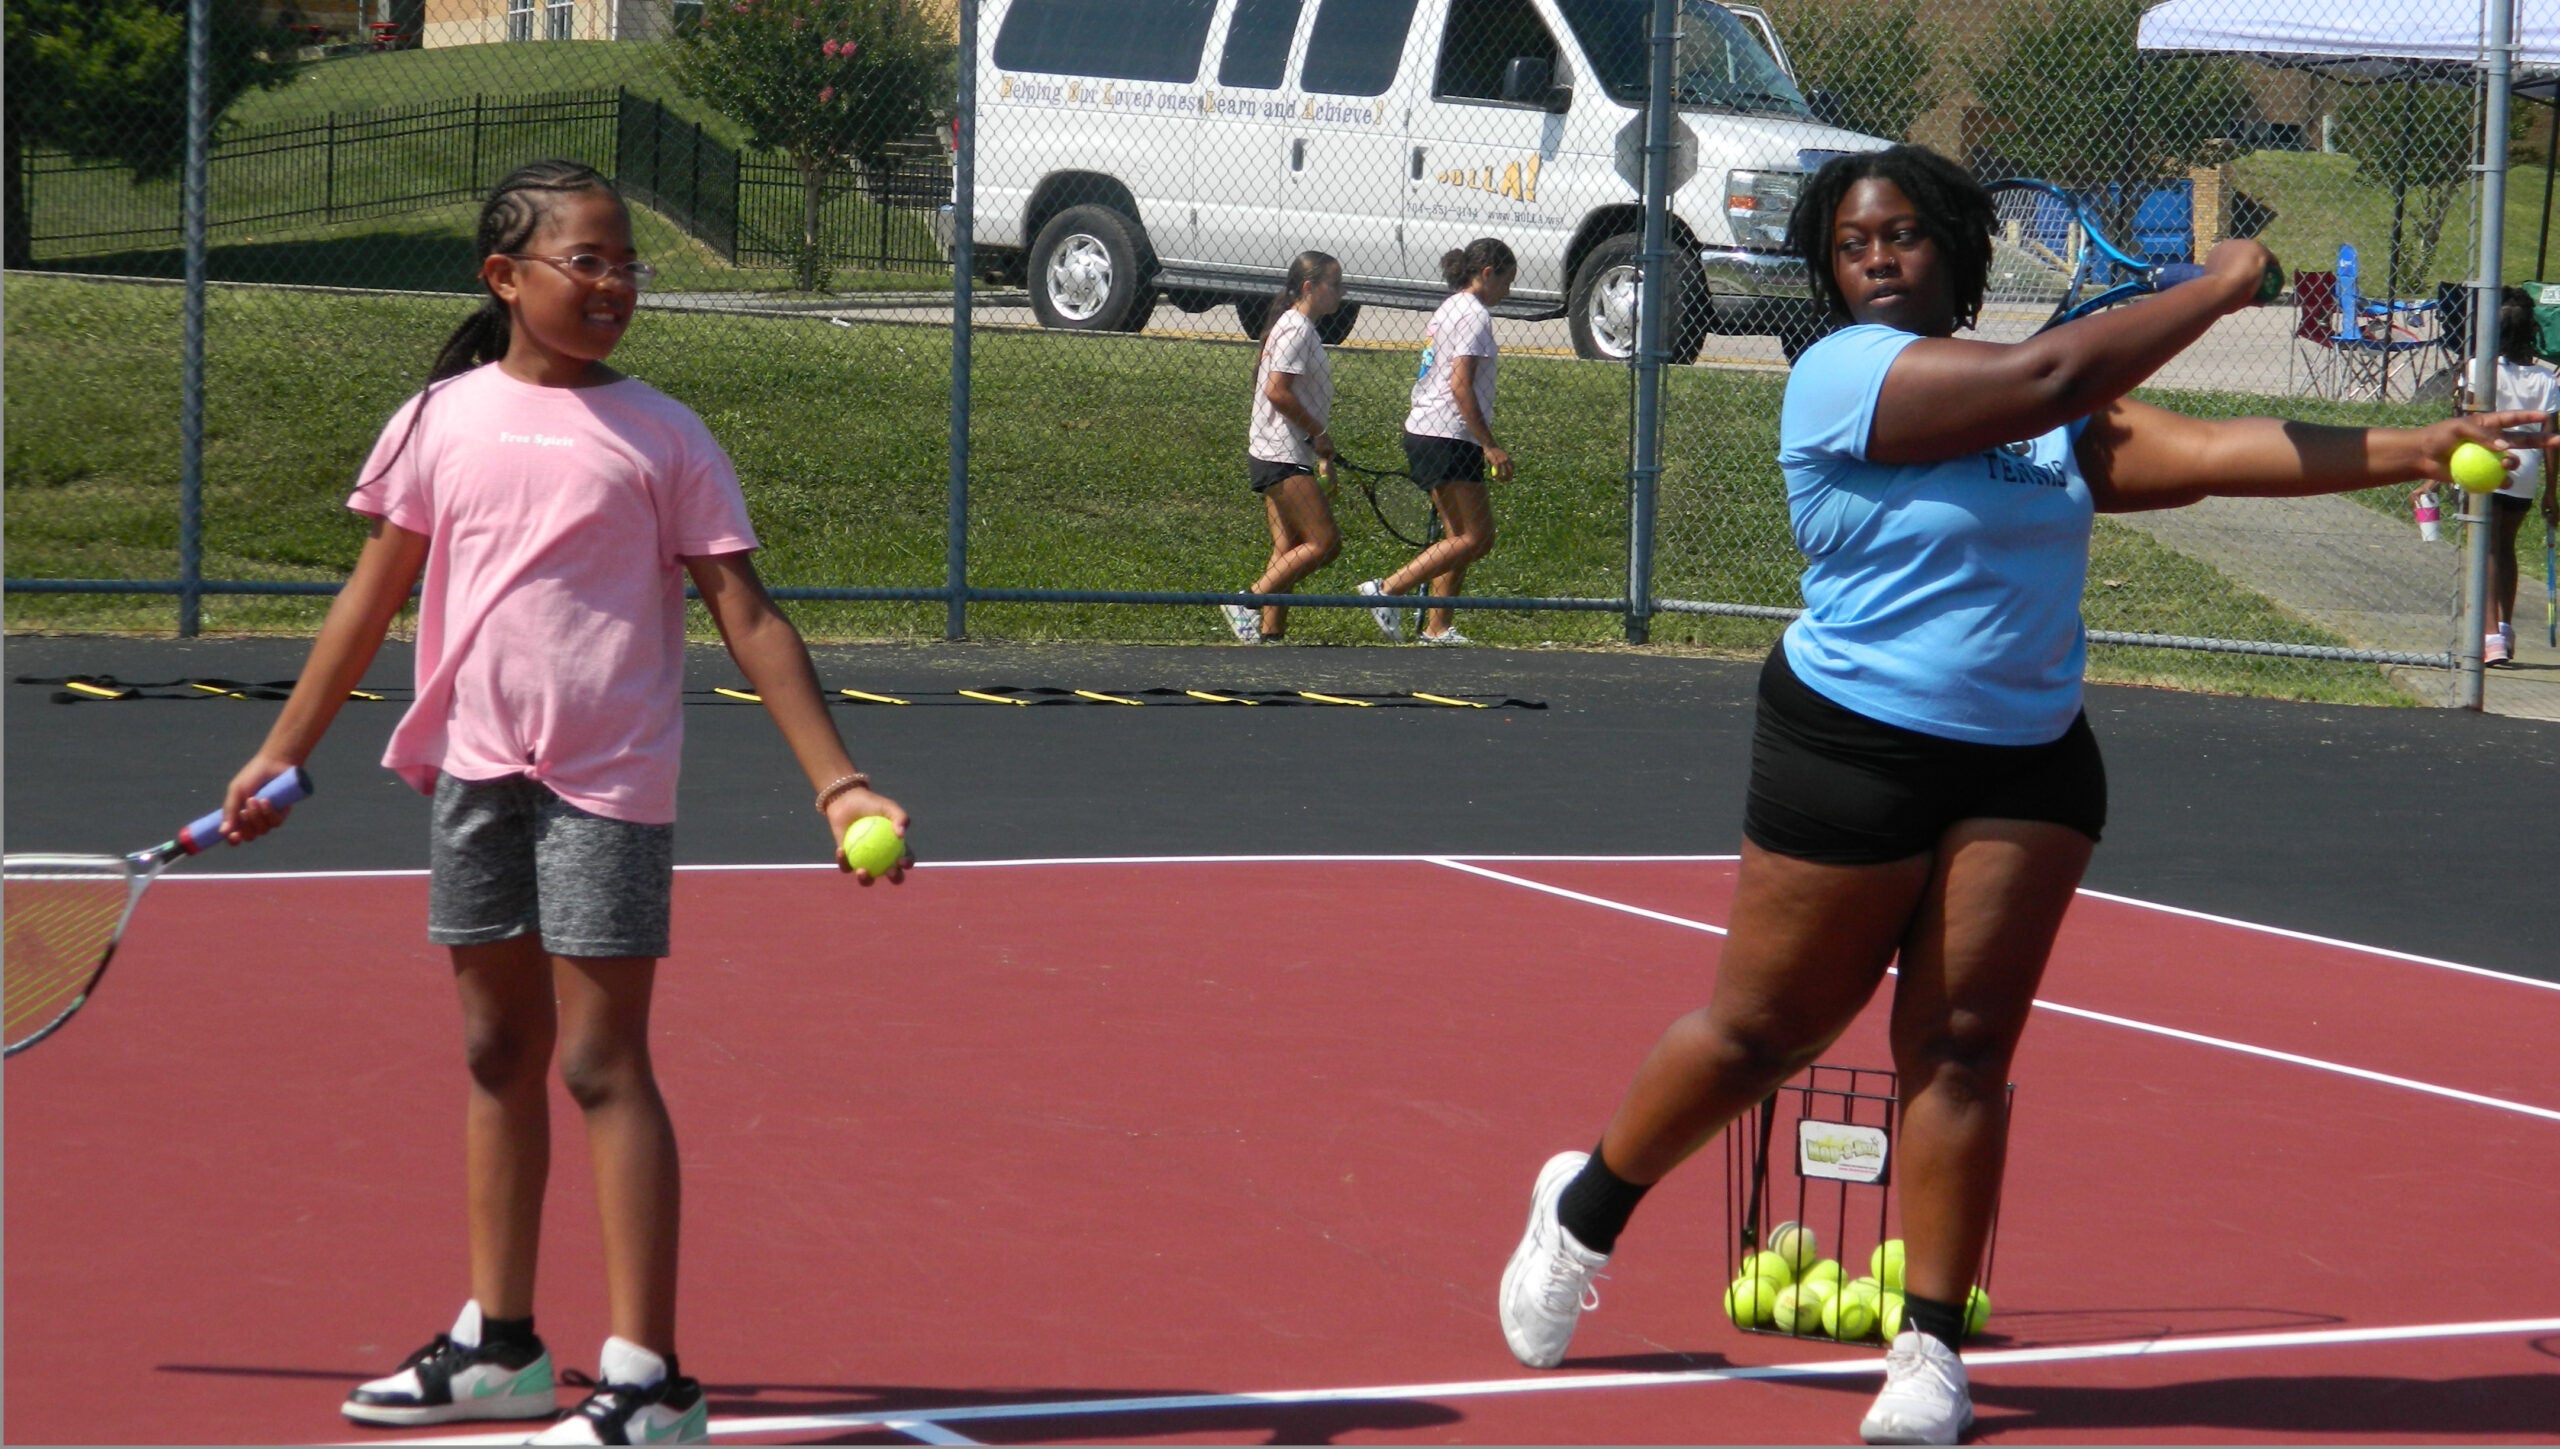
[
  {"x": 1338, "y": 326},
  {"x": 1088, "y": 272},
  {"x": 1253, "y": 314},
  {"x": 1600, "y": 311}
]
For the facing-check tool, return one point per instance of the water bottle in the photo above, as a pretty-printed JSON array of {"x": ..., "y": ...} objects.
[{"x": 2427, "y": 516}]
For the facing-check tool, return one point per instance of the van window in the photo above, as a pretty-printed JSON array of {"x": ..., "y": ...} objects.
[
  {"x": 1356, "y": 47},
  {"x": 1482, "y": 37},
  {"x": 1716, "y": 63},
  {"x": 1258, "y": 43},
  {"x": 1144, "y": 40}
]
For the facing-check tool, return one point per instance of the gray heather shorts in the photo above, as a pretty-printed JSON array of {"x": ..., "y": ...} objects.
[{"x": 508, "y": 857}]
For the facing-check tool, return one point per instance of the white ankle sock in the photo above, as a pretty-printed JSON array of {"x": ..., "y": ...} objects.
[
  {"x": 466, "y": 1329},
  {"x": 628, "y": 1365}
]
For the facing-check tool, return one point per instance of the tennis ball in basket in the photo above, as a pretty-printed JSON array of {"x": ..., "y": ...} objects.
[
  {"x": 1848, "y": 1316},
  {"x": 1977, "y": 1311},
  {"x": 2476, "y": 468},
  {"x": 1826, "y": 1271},
  {"x": 1889, "y": 1315},
  {"x": 1765, "y": 1264},
  {"x": 1886, "y": 1263},
  {"x": 872, "y": 844},
  {"x": 1796, "y": 1243},
  {"x": 1796, "y": 1311},
  {"x": 1751, "y": 1300}
]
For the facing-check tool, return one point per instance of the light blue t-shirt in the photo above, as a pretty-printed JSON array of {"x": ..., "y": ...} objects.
[{"x": 1942, "y": 597}]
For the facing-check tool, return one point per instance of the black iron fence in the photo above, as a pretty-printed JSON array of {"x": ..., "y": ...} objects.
[{"x": 357, "y": 166}]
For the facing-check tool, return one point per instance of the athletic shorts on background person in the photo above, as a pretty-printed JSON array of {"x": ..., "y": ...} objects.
[
  {"x": 1434, "y": 461},
  {"x": 1832, "y": 786},
  {"x": 509, "y": 858}
]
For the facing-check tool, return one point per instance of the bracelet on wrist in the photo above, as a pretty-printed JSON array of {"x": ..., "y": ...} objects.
[{"x": 839, "y": 786}]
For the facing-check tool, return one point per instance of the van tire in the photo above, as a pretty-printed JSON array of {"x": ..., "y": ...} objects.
[
  {"x": 1337, "y": 328},
  {"x": 1600, "y": 310},
  {"x": 1254, "y": 315},
  {"x": 1089, "y": 272}
]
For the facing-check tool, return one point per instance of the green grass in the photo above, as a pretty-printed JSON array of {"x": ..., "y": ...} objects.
[
  {"x": 2320, "y": 201},
  {"x": 447, "y": 73},
  {"x": 1099, "y": 462}
]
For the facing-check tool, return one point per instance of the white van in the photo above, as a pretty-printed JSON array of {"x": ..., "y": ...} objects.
[{"x": 1131, "y": 150}]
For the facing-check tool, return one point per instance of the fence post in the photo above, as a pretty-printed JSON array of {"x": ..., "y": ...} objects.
[
  {"x": 191, "y": 383},
  {"x": 329, "y": 172},
  {"x": 1653, "y": 307},
  {"x": 474, "y": 187},
  {"x": 964, "y": 185},
  {"x": 2497, "y": 58}
]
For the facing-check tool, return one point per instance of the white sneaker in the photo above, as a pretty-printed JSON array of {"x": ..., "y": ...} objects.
[
  {"x": 444, "y": 1382},
  {"x": 1925, "y": 1398},
  {"x": 670, "y": 1411},
  {"x": 1547, "y": 1287},
  {"x": 1243, "y": 621},
  {"x": 1449, "y": 635},
  {"x": 1388, "y": 623}
]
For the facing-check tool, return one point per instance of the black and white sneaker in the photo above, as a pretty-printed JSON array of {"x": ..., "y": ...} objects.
[
  {"x": 670, "y": 1411},
  {"x": 445, "y": 1382}
]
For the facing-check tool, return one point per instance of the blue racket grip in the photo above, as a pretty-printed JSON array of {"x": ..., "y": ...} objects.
[{"x": 281, "y": 792}]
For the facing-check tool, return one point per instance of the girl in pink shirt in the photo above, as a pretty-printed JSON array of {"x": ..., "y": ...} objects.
[{"x": 550, "y": 511}]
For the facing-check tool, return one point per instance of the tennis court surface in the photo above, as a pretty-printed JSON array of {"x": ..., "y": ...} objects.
[{"x": 1194, "y": 1145}]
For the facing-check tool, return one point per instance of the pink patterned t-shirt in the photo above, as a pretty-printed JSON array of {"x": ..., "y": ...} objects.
[{"x": 551, "y": 617}]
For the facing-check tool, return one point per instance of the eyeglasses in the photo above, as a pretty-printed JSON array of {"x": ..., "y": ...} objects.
[{"x": 589, "y": 268}]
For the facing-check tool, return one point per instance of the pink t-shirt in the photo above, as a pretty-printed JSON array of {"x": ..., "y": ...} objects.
[{"x": 551, "y": 620}]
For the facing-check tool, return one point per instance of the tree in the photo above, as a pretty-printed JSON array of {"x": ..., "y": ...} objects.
[
  {"x": 1871, "y": 61},
  {"x": 106, "y": 80},
  {"x": 2069, "y": 99},
  {"x": 2413, "y": 136},
  {"x": 831, "y": 84}
]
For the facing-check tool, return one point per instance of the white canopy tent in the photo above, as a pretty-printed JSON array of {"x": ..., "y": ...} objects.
[{"x": 2513, "y": 45}]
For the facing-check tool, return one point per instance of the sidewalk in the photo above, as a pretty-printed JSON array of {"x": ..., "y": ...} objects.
[{"x": 2370, "y": 580}]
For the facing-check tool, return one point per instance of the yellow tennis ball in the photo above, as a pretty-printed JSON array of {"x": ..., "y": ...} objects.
[
  {"x": 1751, "y": 1300},
  {"x": 1826, "y": 1271},
  {"x": 872, "y": 844},
  {"x": 1848, "y": 1316},
  {"x": 1796, "y": 1311},
  {"x": 1977, "y": 1311},
  {"x": 1889, "y": 1315},
  {"x": 1867, "y": 1285},
  {"x": 1765, "y": 1264},
  {"x": 2477, "y": 469},
  {"x": 1817, "y": 1290},
  {"x": 1796, "y": 1243},
  {"x": 1886, "y": 1263}
]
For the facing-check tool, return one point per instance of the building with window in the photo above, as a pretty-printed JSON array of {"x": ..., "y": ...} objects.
[{"x": 490, "y": 22}]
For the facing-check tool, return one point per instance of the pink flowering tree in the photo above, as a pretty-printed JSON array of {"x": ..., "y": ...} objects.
[{"x": 831, "y": 84}]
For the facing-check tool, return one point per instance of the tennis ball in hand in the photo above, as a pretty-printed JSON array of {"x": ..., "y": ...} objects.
[
  {"x": 1848, "y": 1316},
  {"x": 872, "y": 844},
  {"x": 1886, "y": 1264},
  {"x": 2477, "y": 469},
  {"x": 1796, "y": 1243},
  {"x": 1977, "y": 1311},
  {"x": 1752, "y": 1300}
]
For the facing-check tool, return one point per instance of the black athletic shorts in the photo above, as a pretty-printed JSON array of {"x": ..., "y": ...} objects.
[
  {"x": 1434, "y": 461},
  {"x": 1828, "y": 784},
  {"x": 1265, "y": 474}
]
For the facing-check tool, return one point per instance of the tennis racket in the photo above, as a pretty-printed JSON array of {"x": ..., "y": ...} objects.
[
  {"x": 2048, "y": 247},
  {"x": 1402, "y": 508},
  {"x": 63, "y": 915}
]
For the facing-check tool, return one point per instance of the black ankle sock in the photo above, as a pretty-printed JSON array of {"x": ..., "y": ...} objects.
[
  {"x": 1597, "y": 1203},
  {"x": 1941, "y": 1321},
  {"x": 507, "y": 1336}
]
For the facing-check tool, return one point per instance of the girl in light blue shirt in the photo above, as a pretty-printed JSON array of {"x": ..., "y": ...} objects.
[{"x": 1924, "y": 786}]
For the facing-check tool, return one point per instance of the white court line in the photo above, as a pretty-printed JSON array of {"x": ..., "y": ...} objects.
[
  {"x": 829, "y": 867},
  {"x": 909, "y": 1421},
  {"x": 2291, "y": 935},
  {"x": 2129, "y": 1023}
]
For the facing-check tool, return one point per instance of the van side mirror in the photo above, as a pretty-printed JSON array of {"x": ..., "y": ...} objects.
[
  {"x": 1525, "y": 78},
  {"x": 1559, "y": 99},
  {"x": 1826, "y": 107}
]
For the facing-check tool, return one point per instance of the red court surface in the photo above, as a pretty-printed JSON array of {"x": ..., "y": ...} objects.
[{"x": 1221, "y": 1151}]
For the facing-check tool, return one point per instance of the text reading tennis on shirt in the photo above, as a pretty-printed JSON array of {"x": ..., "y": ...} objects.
[{"x": 2010, "y": 464}]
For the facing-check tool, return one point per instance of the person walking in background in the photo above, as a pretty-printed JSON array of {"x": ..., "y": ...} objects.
[
  {"x": 1288, "y": 449},
  {"x": 1449, "y": 445},
  {"x": 2524, "y": 381},
  {"x": 556, "y": 510}
]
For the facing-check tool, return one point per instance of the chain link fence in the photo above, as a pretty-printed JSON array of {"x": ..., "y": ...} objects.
[{"x": 1144, "y": 173}]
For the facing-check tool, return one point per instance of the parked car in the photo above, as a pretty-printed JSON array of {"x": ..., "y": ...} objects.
[{"x": 1136, "y": 150}]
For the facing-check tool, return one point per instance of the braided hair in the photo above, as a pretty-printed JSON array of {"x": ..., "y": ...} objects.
[
  {"x": 1954, "y": 212},
  {"x": 509, "y": 217}
]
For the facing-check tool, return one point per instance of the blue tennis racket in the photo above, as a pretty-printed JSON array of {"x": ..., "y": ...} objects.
[
  {"x": 64, "y": 914},
  {"x": 2048, "y": 246}
]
